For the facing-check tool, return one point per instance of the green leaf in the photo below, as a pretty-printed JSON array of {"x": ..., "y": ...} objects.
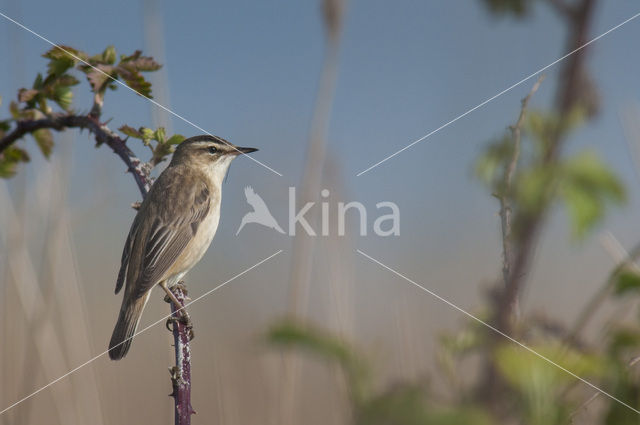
[
  {"x": 67, "y": 80},
  {"x": 60, "y": 61},
  {"x": 130, "y": 68},
  {"x": 131, "y": 132},
  {"x": 491, "y": 164},
  {"x": 160, "y": 135},
  {"x": 140, "y": 63},
  {"x": 586, "y": 186},
  {"x": 160, "y": 152},
  {"x": 623, "y": 339},
  {"x": 59, "y": 66},
  {"x": 627, "y": 280},
  {"x": 38, "y": 82},
  {"x": 135, "y": 80},
  {"x": 62, "y": 51},
  {"x": 9, "y": 160},
  {"x": 26, "y": 95},
  {"x": 291, "y": 334},
  {"x": 30, "y": 114},
  {"x": 63, "y": 96},
  {"x": 519, "y": 366},
  {"x": 99, "y": 77},
  {"x": 109, "y": 55},
  {"x": 462, "y": 341},
  {"x": 538, "y": 382},
  {"x": 626, "y": 389},
  {"x": 44, "y": 139},
  {"x": 147, "y": 134},
  {"x": 316, "y": 341},
  {"x": 534, "y": 187},
  {"x": 14, "y": 109},
  {"x": 176, "y": 139}
]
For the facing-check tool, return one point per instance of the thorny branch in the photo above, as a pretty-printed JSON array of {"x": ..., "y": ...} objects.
[
  {"x": 505, "y": 196},
  {"x": 101, "y": 132},
  {"x": 181, "y": 372},
  {"x": 572, "y": 79},
  {"x": 566, "y": 99}
]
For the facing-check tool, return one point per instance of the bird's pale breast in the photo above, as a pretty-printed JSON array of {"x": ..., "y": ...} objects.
[{"x": 197, "y": 247}]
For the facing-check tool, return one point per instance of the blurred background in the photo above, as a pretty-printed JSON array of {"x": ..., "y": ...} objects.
[{"x": 273, "y": 75}]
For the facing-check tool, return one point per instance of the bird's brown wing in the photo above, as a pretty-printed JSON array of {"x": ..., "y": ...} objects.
[
  {"x": 126, "y": 254},
  {"x": 165, "y": 224},
  {"x": 170, "y": 232}
]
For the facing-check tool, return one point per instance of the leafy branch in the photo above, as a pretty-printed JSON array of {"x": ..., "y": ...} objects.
[
  {"x": 34, "y": 114},
  {"x": 403, "y": 403}
]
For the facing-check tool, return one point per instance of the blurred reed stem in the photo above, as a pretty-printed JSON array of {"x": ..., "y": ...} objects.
[{"x": 303, "y": 245}]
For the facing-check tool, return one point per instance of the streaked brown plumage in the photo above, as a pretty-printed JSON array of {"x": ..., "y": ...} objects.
[{"x": 172, "y": 229}]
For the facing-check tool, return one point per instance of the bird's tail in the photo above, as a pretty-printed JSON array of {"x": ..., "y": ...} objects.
[{"x": 126, "y": 326}]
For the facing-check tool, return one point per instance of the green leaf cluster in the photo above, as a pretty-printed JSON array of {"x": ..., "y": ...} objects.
[
  {"x": 586, "y": 186},
  {"x": 55, "y": 88},
  {"x": 10, "y": 158},
  {"x": 104, "y": 70},
  {"x": 402, "y": 404},
  {"x": 627, "y": 280},
  {"x": 156, "y": 141},
  {"x": 582, "y": 183},
  {"x": 538, "y": 383}
]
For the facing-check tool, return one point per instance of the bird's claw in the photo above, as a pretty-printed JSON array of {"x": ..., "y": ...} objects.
[
  {"x": 181, "y": 285},
  {"x": 170, "y": 321},
  {"x": 185, "y": 319}
]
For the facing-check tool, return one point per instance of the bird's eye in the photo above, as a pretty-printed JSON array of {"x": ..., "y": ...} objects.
[{"x": 213, "y": 150}]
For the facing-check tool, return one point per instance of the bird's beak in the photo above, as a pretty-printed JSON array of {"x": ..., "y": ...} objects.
[{"x": 239, "y": 151}]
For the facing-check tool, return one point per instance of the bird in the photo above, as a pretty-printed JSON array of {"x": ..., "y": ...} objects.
[
  {"x": 172, "y": 229},
  {"x": 260, "y": 213}
]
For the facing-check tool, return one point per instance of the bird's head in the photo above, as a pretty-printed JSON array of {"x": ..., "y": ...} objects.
[{"x": 210, "y": 153}]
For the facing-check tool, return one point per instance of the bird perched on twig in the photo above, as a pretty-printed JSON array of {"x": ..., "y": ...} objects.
[{"x": 172, "y": 229}]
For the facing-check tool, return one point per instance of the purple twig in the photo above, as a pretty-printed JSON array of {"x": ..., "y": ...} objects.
[{"x": 181, "y": 372}]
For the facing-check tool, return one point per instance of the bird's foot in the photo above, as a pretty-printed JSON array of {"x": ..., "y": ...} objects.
[
  {"x": 171, "y": 321},
  {"x": 185, "y": 320},
  {"x": 181, "y": 286}
]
